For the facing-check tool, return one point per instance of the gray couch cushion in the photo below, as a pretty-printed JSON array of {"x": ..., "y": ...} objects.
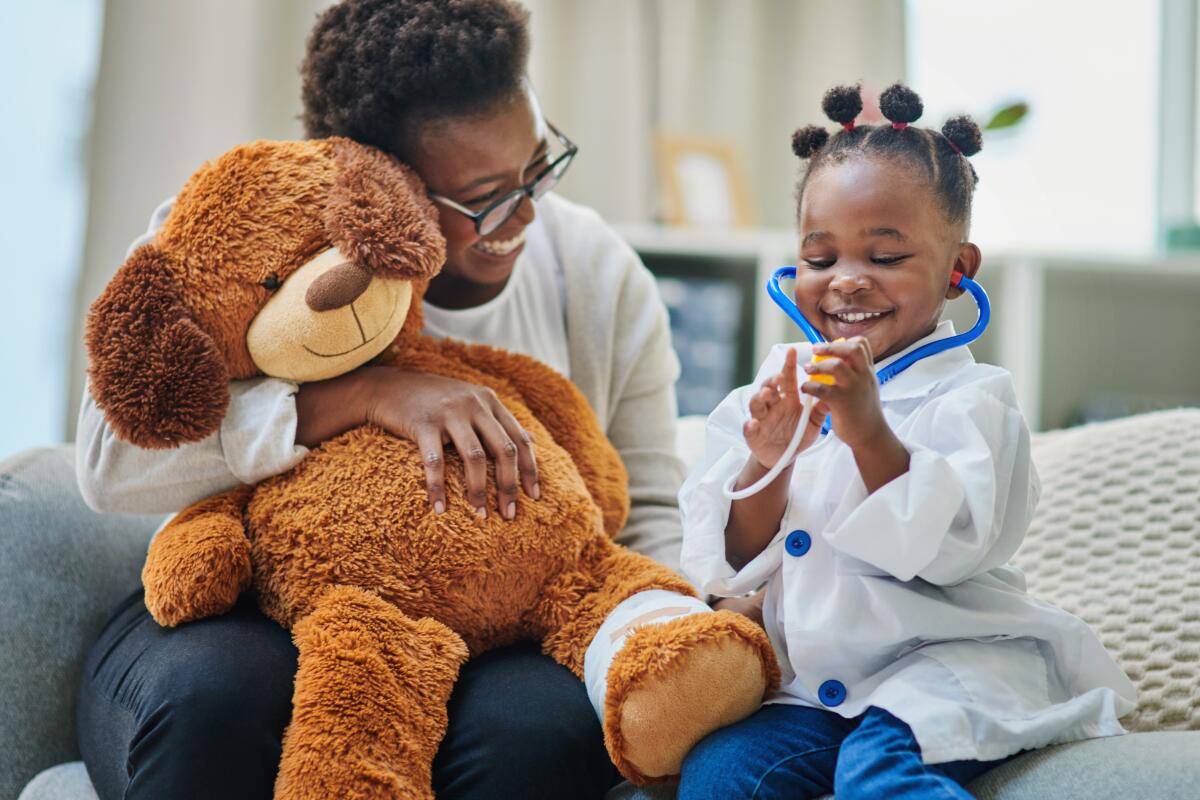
[
  {"x": 1165, "y": 766},
  {"x": 64, "y": 782},
  {"x": 63, "y": 568}
]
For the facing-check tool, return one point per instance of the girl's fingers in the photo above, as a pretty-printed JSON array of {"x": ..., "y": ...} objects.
[
  {"x": 787, "y": 378},
  {"x": 825, "y": 366},
  {"x": 758, "y": 403},
  {"x": 817, "y": 390},
  {"x": 856, "y": 350}
]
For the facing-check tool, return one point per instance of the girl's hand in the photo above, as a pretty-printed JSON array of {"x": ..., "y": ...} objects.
[
  {"x": 853, "y": 400},
  {"x": 431, "y": 411},
  {"x": 775, "y": 411},
  {"x": 751, "y": 606}
]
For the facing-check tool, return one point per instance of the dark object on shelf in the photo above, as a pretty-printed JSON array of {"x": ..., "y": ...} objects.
[{"x": 710, "y": 299}]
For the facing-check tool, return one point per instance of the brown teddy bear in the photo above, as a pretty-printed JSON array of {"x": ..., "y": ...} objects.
[{"x": 304, "y": 260}]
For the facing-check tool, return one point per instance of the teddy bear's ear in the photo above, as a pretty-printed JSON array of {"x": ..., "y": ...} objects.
[
  {"x": 159, "y": 379},
  {"x": 378, "y": 214}
]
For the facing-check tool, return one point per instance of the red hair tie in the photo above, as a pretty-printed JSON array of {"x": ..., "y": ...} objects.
[
  {"x": 899, "y": 125},
  {"x": 848, "y": 126},
  {"x": 953, "y": 147}
]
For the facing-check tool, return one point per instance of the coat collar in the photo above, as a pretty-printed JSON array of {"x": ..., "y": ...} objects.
[{"x": 920, "y": 378}]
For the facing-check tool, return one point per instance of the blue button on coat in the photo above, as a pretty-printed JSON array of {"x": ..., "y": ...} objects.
[
  {"x": 798, "y": 543},
  {"x": 832, "y": 693}
]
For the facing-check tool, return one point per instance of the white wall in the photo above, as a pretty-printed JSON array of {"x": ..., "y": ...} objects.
[{"x": 180, "y": 82}]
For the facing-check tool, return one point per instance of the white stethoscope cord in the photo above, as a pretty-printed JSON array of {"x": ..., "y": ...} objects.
[{"x": 784, "y": 460}]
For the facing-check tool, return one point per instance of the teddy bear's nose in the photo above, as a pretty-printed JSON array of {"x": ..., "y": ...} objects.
[{"x": 337, "y": 287}]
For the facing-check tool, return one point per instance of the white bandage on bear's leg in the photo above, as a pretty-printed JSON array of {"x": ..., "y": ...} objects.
[{"x": 645, "y": 608}]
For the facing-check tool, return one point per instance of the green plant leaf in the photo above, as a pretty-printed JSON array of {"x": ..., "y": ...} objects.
[{"x": 1007, "y": 117}]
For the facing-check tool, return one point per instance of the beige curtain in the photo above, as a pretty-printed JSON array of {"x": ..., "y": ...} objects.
[
  {"x": 613, "y": 72},
  {"x": 180, "y": 82}
]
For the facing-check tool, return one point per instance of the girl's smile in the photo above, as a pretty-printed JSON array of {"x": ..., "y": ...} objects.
[{"x": 876, "y": 254}]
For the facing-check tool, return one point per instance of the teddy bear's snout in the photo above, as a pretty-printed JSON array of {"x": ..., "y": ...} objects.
[{"x": 338, "y": 287}]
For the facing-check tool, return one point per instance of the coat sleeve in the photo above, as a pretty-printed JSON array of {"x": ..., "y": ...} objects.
[
  {"x": 257, "y": 439},
  {"x": 966, "y": 501},
  {"x": 705, "y": 508}
]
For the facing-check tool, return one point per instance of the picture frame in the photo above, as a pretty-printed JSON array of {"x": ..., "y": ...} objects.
[{"x": 702, "y": 184}]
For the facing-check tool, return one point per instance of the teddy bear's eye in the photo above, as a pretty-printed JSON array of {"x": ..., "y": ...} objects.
[{"x": 271, "y": 283}]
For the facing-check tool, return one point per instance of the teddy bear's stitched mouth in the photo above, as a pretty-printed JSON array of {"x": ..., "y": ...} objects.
[{"x": 364, "y": 342}]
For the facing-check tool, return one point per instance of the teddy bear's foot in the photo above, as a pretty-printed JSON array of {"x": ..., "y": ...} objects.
[
  {"x": 673, "y": 683},
  {"x": 369, "y": 708}
]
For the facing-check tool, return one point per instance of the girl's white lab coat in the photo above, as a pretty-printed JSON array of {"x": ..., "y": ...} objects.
[{"x": 903, "y": 598}]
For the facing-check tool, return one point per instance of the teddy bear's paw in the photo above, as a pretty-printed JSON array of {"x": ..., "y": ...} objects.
[
  {"x": 674, "y": 683},
  {"x": 196, "y": 569}
]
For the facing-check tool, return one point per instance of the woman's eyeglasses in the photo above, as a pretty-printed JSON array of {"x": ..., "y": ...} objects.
[{"x": 498, "y": 212}]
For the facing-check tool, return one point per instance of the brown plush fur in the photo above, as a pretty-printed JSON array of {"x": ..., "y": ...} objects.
[{"x": 385, "y": 598}]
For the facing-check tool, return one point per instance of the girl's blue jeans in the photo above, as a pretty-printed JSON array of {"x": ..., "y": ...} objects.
[{"x": 801, "y": 752}]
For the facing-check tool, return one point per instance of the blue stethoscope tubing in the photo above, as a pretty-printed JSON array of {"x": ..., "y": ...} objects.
[{"x": 884, "y": 375}]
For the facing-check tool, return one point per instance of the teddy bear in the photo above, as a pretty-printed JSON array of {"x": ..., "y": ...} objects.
[{"x": 304, "y": 260}]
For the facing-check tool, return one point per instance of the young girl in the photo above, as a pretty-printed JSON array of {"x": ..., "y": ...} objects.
[{"x": 912, "y": 658}]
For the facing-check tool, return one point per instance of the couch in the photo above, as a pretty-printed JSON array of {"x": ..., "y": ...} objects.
[{"x": 1116, "y": 541}]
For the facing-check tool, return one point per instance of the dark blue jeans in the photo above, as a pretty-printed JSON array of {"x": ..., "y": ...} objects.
[
  {"x": 799, "y": 752},
  {"x": 199, "y": 712}
]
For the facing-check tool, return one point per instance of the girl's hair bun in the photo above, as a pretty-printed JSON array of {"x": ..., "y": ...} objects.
[
  {"x": 808, "y": 140},
  {"x": 843, "y": 103},
  {"x": 900, "y": 104},
  {"x": 964, "y": 134}
]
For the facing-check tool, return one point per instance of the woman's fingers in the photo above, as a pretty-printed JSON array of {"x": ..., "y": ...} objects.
[
  {"x": 526, "y": 458},
  {"x": 504, "y": 452},
  {"x": 429, "y": 441},
  {"x": 474, "y": 459}
]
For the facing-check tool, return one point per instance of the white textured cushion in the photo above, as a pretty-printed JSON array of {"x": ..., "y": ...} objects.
[{"x": 1116, "y": 541}]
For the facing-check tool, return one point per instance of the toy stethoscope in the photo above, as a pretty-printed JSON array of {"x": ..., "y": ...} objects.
[{"x": 884, "y": 375}]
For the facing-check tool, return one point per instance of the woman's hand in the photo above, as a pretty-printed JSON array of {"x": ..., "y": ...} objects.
[
  {"x": 774, "y": 414},
  {"x": 853, "y": 400},
  {"x": 431, "y": 411}
]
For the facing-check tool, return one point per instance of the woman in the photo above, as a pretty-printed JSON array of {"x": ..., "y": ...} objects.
[{"x": 199, "y": 710}]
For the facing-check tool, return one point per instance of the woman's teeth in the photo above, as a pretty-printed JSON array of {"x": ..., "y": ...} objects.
[
  {"x": 858, "y": 316},
  {"x": 502, "y": 248}
]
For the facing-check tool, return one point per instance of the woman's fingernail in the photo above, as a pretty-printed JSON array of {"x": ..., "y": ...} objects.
[
  {"x": 512, "y": 510},
  {"x": 537, "y": 491},
  {"x": 481, "y": 512},
  {"x": 439, "y": 507}
]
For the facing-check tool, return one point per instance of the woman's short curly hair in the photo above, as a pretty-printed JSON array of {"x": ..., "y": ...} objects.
[{"x": 376, "y": 69}]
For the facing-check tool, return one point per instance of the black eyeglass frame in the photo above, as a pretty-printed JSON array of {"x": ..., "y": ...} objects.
[{"x": 527, "y": 190}]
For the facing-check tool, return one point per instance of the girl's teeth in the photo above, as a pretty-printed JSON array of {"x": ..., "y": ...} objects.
[
  {"x": 859, "y": 317},
  {"x": 502, "y": 248}
]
